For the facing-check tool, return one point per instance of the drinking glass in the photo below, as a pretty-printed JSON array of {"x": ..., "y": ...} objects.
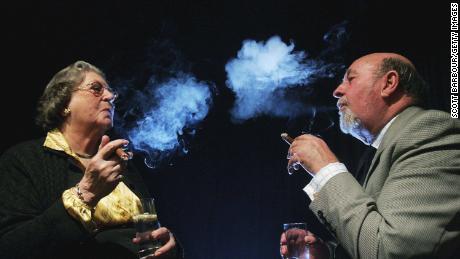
[
  {"x": 145, "y": 221},
  {"x": 295, "y": 240}
]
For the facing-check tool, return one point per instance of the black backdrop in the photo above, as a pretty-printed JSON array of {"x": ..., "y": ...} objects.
[{"x": 228, "y": 197}]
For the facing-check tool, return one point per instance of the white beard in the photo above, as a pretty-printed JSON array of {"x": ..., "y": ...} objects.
[{"x": 350, "y": 124}]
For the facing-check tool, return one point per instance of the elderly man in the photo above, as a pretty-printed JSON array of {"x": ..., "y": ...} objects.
[{"x": 409, "y": 202}]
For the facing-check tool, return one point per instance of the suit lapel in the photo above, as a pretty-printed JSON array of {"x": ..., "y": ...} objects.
[{"x": 392, "y": 133}]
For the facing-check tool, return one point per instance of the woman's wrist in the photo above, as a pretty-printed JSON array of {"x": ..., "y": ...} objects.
[
  {"x": 78, "y": 209},
  {"x": 85, "y": 196}
]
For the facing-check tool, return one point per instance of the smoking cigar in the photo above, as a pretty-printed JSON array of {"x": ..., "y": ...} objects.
[
  {"x": 123, "y": 153},
  {"x": 286, "y": 138},
  {"x": 289, "y": 140}
]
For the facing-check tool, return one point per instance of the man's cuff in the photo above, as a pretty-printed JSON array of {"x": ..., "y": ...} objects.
[{"x": 321, "y": 178}]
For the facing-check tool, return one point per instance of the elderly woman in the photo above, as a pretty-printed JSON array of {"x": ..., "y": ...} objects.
[{"x": 67, "y": 196}]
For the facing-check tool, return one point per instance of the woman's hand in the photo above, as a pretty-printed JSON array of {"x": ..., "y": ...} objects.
[
  {"x": 168, "y": 250},
  {"x": 103, "y": 172}
]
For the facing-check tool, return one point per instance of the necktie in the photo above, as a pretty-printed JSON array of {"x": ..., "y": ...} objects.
[{"x": 364, "y": 164}]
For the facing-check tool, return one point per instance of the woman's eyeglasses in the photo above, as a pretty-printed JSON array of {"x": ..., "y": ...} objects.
[{"x": 97, "y": 89}]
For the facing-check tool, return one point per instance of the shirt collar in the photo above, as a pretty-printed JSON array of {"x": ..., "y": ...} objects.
[
  {"x": 55, "y": 140},
  {"x": 379, "y": 137}
]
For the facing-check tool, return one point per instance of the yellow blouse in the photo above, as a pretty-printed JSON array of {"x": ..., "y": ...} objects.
[{"x": 117, "y": 208}]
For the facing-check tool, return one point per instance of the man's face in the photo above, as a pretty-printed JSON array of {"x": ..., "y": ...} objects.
[{"x": 358, "y": 98}]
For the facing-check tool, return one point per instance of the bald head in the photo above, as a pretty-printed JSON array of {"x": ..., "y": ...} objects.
[
  {"x": 376, "y": 60},
  {"x": 379, "y": 57}
]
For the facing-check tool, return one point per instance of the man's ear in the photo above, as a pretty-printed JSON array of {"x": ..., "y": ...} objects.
[{"x": 391, "y": 83}]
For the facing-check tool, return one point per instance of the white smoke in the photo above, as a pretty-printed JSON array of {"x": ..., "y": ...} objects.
[
  {"x": 263, "y": 71},
  {"x": 181, "y": 103}
]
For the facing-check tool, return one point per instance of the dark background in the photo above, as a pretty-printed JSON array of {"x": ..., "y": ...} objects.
[{"x": 228, "y": 197}]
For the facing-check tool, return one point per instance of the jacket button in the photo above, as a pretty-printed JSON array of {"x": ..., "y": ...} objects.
[{"x": 320, "y": 214}]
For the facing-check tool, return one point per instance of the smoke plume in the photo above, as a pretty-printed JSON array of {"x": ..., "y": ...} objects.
[
  {"x": 263, "y": 73},
  {"x": 170, "y": 111}
]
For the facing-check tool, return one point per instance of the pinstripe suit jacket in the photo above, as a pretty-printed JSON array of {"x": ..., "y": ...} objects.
[{"x": 409, "y": 206}]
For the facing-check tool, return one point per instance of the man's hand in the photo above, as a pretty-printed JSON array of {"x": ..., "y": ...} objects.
[
  {"x": 311, "y": 152},
  {"x": 296, "y": 238}
]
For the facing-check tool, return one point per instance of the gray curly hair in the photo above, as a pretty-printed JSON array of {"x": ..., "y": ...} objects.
[{"x": 57, "y": 94}]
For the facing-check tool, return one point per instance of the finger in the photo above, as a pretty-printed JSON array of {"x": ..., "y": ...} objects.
[
  {"x": 161, "y": 233},
  {"x": 283, "y": 250},
  {"x": 142, "y": 236},
  {"x": 298, "y": 143},
  {"x": 109, "y": 169},
  {"x": 114, "y": 159},
  {"x": 116, "y": 178},
  {"x": 299, "y": 138},
  {"x": 116, "y": 175},
  {"x": 117, "y": 168},
  {"x": 104, "y": 140},
  {"x": 283, "y": 239},
  {"x": 302, "y": 140},
  {"x": 123, "y": 153},
  {"x": 310, "y": 240},
  {"x": 169, "y": 246},
  {"x": 290, "y": 235},
  {"x": 296, "y": 236},
  {"x": 109, "y": 149},
  {"x": 295, "y": 160}
]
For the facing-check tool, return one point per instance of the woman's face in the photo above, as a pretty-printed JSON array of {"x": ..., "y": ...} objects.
[{"x": 91, "y": 104}]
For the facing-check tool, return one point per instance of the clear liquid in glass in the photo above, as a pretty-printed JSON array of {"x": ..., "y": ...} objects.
[{"x": 144, "y": 224}]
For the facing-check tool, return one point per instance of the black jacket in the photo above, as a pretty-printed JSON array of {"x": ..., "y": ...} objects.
[{"x": 33, "y": 220}]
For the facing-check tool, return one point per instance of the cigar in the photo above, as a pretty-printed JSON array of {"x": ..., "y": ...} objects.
[
  {"x": 123, "y": 153},
  {"x": 289, "y": 140},
  {"x": 286, "y": 138}
]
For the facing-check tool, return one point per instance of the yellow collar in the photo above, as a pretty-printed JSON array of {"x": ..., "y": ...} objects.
[{"x": 55, "y": 140}]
